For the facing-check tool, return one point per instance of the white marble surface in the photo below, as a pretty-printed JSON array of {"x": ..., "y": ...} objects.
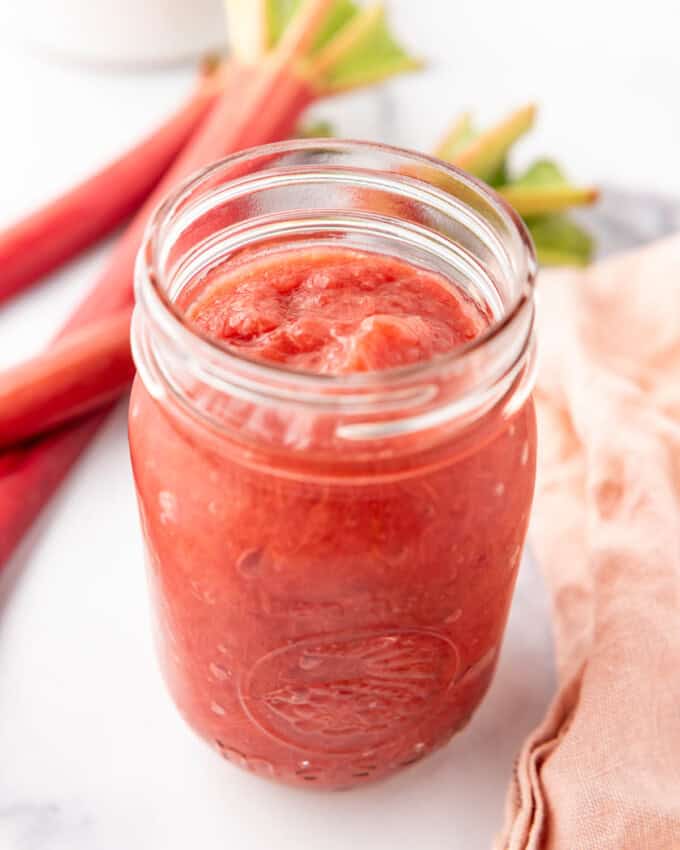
[{"x": 92, "y": 754}]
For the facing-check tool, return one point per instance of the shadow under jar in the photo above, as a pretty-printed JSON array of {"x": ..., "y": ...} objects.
[{"x": 332, "y": 557}]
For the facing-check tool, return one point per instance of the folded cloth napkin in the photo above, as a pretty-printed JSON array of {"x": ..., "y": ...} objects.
[{"x": 602, "y": 771}]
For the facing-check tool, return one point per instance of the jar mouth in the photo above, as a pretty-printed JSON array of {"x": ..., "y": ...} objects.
[{"x": 234, "y": 175}]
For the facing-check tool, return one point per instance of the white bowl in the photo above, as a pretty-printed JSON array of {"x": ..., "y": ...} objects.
[{"x": 121, "y": 32}]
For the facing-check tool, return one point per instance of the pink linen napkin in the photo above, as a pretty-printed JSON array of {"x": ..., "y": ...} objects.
[{"x": 602, "y": 771}]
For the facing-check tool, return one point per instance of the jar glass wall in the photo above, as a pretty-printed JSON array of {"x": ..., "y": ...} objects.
[{"x": 332, "y": 558}]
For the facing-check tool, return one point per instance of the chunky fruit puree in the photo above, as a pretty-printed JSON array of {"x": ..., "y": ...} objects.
[
  {"x": 335, "y": 311},
  {"x": 327, "y": 617}
]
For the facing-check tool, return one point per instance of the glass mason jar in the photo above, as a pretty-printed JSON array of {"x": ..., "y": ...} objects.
[{"x": 332, "y": 558}]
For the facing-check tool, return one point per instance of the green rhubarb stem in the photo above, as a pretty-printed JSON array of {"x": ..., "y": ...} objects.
[
  {"x": 332, "y": 45},
  {"x": 539, "y": 200},
  {"x": 483, "y": 156},
  {"x": 300, "y": 35},
  {"x": 362, "y": 52},
  {"x": 554, "y": 257},
  {"x": 345, "y": 41},
  {"x": 458, "y": 132}
]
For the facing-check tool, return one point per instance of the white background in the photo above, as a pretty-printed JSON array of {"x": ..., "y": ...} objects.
[{"x": 92, "y": 755}]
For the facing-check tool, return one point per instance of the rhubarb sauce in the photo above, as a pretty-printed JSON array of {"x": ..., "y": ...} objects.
[{"x": 327, "y": 615}]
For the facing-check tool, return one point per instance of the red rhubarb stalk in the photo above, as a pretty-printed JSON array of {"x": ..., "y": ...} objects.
[
  {"x": 29, "y": 478},
  {"x": 83, "y": 372},
  {"x": 262, "y": 111},
  {"x": 256, "y": 107},
  {"x": 49, "y": 237},
  {"x": 261, "y": 104}
]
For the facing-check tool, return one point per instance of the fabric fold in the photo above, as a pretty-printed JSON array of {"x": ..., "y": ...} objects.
[{"x": 602, "y": 771}]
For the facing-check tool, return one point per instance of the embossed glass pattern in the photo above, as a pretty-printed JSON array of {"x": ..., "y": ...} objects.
[{"x": 332, "y": 559}]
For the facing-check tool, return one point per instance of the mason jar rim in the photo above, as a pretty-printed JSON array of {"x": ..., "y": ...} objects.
[{"x": 175, "y": 324}]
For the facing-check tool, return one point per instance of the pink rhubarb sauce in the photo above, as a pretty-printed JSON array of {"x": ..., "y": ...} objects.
[
  {"x": 323, "y": 623},
  {"x": 335, "y": 312}
]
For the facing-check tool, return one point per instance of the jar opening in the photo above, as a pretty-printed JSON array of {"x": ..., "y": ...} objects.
[{"x": 356, "y": 194}]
